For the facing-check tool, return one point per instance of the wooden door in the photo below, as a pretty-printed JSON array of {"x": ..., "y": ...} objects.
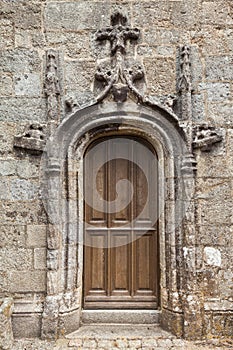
[{"x": 120, "y": 248}]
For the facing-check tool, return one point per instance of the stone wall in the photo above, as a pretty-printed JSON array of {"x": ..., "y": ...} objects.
[{"x": 29, "y": 29}]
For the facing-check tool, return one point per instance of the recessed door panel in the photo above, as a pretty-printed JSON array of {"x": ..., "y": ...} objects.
[{"x": 121, "y": 237}]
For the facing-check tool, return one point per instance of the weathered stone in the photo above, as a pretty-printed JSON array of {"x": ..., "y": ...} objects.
[
  {"x": 23, "y": 190},
  {"x": 26, "y": 281},
  {"x": 20, "y": 61},
  {"x": 13, "y": 236},
  {"x": 36, "y": 236},
  {"x": 160, "y": 73},
  {"x": 20, "y": 110},
  {"x": 219, "y": 68},
  {"x": 23, "y": 39},
  {"x": 6, "y": 335},
  {"x": 27, "y": 85},
  {"x": 7, "y": 132},
  {"x": 151, "y": 13},
  {"x": 78, "y": 76},
  {"x": 6, "y": 33},
  {"x": 16, "y": 259},
  {"x": 216, "y": 91},
  {"x": 6, "y": 85},
  {"x": 40, "y": 258},
  {"x": 76, "y": 15}
]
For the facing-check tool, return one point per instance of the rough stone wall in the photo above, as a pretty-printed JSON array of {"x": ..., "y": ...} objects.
[{"x": 28, "y": 29}]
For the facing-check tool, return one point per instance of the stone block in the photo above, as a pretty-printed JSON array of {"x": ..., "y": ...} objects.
[
  {"x": 215, "y": 13},
  {"x": 4, "y": 189},
  {"x": 27, "y": 85},
  {"x": 27, "y": 326},
  {"x": 16, "y": 259},
  {"x": 20, "y": 61},
  {"x": 76, "y": 15},
  {"x": 7, "y": 167},
  {"x": 79, "y": 75},
  {"x": 23, "y": 39},
  {"x": 6, "y": 34},
  {"x": 28, "y": 15},
  {"x": 215, "y": 235},
  {"x": 213, "y": 188},
  {"x": 27, "y": 169},
  {"x": 198, "y": 107},
  {"x": 23, "y": 109},
  {"x": 162, "y": 37},
  {"x": 76, "y": 45},
  {"x": 6, "y": 84},
  {"x": 216, "y": 91},
  {"x": 22, "y": 190},
  {"x": 26, "y": 281},
  {"x": 185, "y": 14},
  {"x": 36, "y": 236},
  {"x": 13, "y": 236},
  {"x": 209, "y": 166},
  {"x": 211, "y": 211},
  {"x": 151, "y": 14},
  {"x": 19, "y": 212},
  {"x": 220, "y": 113},
  {"x": 219, "y": 68},
  {"x": 7, "y": 132},
  {"x": 40, "y": 258},
  {"x": 165, "y": 51},
  {"x": 149, "y": 343},
  {"x": 160, "y": 75}
]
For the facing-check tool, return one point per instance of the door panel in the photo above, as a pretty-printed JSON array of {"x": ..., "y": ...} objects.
[{"x": 121, "y": 236}]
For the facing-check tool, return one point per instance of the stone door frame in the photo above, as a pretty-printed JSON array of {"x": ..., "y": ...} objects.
[{"x": 64, "y": 192}]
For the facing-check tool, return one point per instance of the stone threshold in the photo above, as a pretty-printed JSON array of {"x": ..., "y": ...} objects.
[
  {"x": 127, "y": 331},
  {"x": 120, "y": 316}
]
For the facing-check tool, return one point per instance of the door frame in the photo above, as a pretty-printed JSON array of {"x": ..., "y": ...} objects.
[{"x": 64, "y": 186}]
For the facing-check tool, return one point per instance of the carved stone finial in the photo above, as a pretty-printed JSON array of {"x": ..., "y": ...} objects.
[
  {"x": 117, "y": 75},
  {"x": 52, "y": 88},
  {"x": 33, "y": 138},
  {"x": 205, "y": 137},
  {"x": 184, "y": 83}
]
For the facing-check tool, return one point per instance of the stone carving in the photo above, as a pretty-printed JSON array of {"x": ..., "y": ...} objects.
[
  {"x": 118, "y": 33},
  {"x": 184, "y": 83},
  {"x": 118, "y": 75},
  {"x": 33, "y": 138},
  {"x": 52, "y": 88},
  {"x": 205, "y": 136}
]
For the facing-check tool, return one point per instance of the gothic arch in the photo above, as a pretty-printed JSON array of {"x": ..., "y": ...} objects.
[{"x": 64, "y": 193}]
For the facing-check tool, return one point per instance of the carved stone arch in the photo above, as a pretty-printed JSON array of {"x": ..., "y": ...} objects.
[{"x": 64, "y": 192}]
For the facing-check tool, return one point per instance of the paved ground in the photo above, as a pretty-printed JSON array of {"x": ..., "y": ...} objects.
[{"x": 122, "y": 337}]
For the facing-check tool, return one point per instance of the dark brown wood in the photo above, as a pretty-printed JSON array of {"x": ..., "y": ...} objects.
[{"x": 121, "y": 249}]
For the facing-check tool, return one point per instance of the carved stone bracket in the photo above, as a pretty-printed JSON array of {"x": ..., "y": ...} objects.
[
  {"x": 33, "y": 138},
  {"x": 117, "y": 74},
  {"x": 205, "y": 137}
]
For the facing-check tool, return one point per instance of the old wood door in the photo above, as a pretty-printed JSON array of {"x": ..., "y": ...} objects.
[{"x": 121, "y": 238}]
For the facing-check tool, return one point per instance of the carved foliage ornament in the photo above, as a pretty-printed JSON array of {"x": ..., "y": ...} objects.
[
  {"x": 205, "y": 136},
  {"x": 33, "y": 138},
  {"x": 117, "y": 74}
]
